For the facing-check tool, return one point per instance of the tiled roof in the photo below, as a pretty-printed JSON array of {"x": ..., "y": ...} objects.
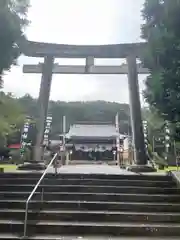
[{"x": 78, "y": 130}]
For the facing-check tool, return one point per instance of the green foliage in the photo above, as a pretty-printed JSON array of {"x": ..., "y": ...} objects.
[
  {"x": 162, "y": 56},
  {"x": 158, "y": 160},
  {"x": 177, "y": 132},
  {"x": 13, "y": 112},
  {"x": 16, "y": 156},
  {"x": 78, "y": 112},
  {"x": 26, "y": 155},
  {"x": 155, "y": 158},
  {"x": 153, "y": 118},
  {"x": 178, "y": 146},
  {"x": 155, "y": 124},
  {"x": 11, "y": 117},
  {"x": 13, "y": 20}
]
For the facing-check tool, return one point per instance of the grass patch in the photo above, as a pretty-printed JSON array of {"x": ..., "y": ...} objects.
[
  {"x": 9, "y": 167},
  {"x": 170, "y": 168}
]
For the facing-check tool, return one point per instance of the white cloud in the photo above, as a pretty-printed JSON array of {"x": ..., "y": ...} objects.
[{"x": 79, "y": 22}]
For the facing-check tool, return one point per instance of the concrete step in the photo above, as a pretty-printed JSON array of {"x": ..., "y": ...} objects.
[
  {"x": 93, "y": 206},
  {"x": 92, "y": 216},
  {"x": 93, "y": 181},
  {"x": 10, "y": 236},
  {"x": 66, "y": 237},
  {"x": 86, "y": 196},
  {"x": 91, "y": 189},
  {"x": 111, "y": 205},
  {"x": 147, "y": 177},
  {"x": 92, "y": 228}
]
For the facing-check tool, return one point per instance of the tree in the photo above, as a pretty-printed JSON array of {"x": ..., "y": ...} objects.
[
  {"x": 11, "y": 117},
  {"x": 14, "y": 110},
  {"x": 154, "y": 120},
  {"x": 13, "y": 20},
  {"x": 162, "y": 56},
  {"x": 155, "y": 125}
]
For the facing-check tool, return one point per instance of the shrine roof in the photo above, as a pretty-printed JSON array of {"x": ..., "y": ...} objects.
[{"x": 92, "y": 131}]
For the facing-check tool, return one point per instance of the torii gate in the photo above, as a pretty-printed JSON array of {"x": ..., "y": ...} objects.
[{"x": 50, "y": 51}]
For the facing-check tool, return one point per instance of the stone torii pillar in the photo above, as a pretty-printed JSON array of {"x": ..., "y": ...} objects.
[
  {"x": 135, "y": 112},
  {"x": 47, "y": 69}
]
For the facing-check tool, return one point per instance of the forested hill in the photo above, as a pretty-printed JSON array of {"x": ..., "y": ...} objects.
[
  {"x": 14, "y": 110},
  {"x": 79, "y": 111}
]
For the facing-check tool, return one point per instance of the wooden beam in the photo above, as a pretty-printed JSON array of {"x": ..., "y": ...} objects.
[
  {"x": 41, "y": 49},
  {"x": 77, "y": 69}
]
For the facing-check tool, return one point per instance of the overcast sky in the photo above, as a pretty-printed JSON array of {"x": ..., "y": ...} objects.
[{"x": 79, "y": 22}]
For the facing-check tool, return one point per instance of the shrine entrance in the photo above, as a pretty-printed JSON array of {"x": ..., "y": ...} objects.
[{"x": 51, "y": 51}]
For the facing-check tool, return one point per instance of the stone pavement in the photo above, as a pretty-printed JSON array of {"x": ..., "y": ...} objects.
[{"x": 94, "y": 169}]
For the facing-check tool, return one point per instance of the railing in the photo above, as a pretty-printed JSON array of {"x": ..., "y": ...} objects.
[{"x": 54, "y": 160}]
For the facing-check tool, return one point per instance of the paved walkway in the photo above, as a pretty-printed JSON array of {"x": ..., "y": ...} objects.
[
  {"x": 86, "y": 169},
  {"x": 94, "y": 169}
]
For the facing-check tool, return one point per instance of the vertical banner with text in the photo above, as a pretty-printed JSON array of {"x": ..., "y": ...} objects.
[
  {"x": 47, "y": 130},
  {"x": 24, "y": 135}
]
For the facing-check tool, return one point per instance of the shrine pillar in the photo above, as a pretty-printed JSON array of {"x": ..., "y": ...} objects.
[
  {"x": 43, "y": 101},
  {"x": 135, "y": 112}
]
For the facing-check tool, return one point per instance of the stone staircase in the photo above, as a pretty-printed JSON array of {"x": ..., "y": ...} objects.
[{"x": 89, "y": 205}]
